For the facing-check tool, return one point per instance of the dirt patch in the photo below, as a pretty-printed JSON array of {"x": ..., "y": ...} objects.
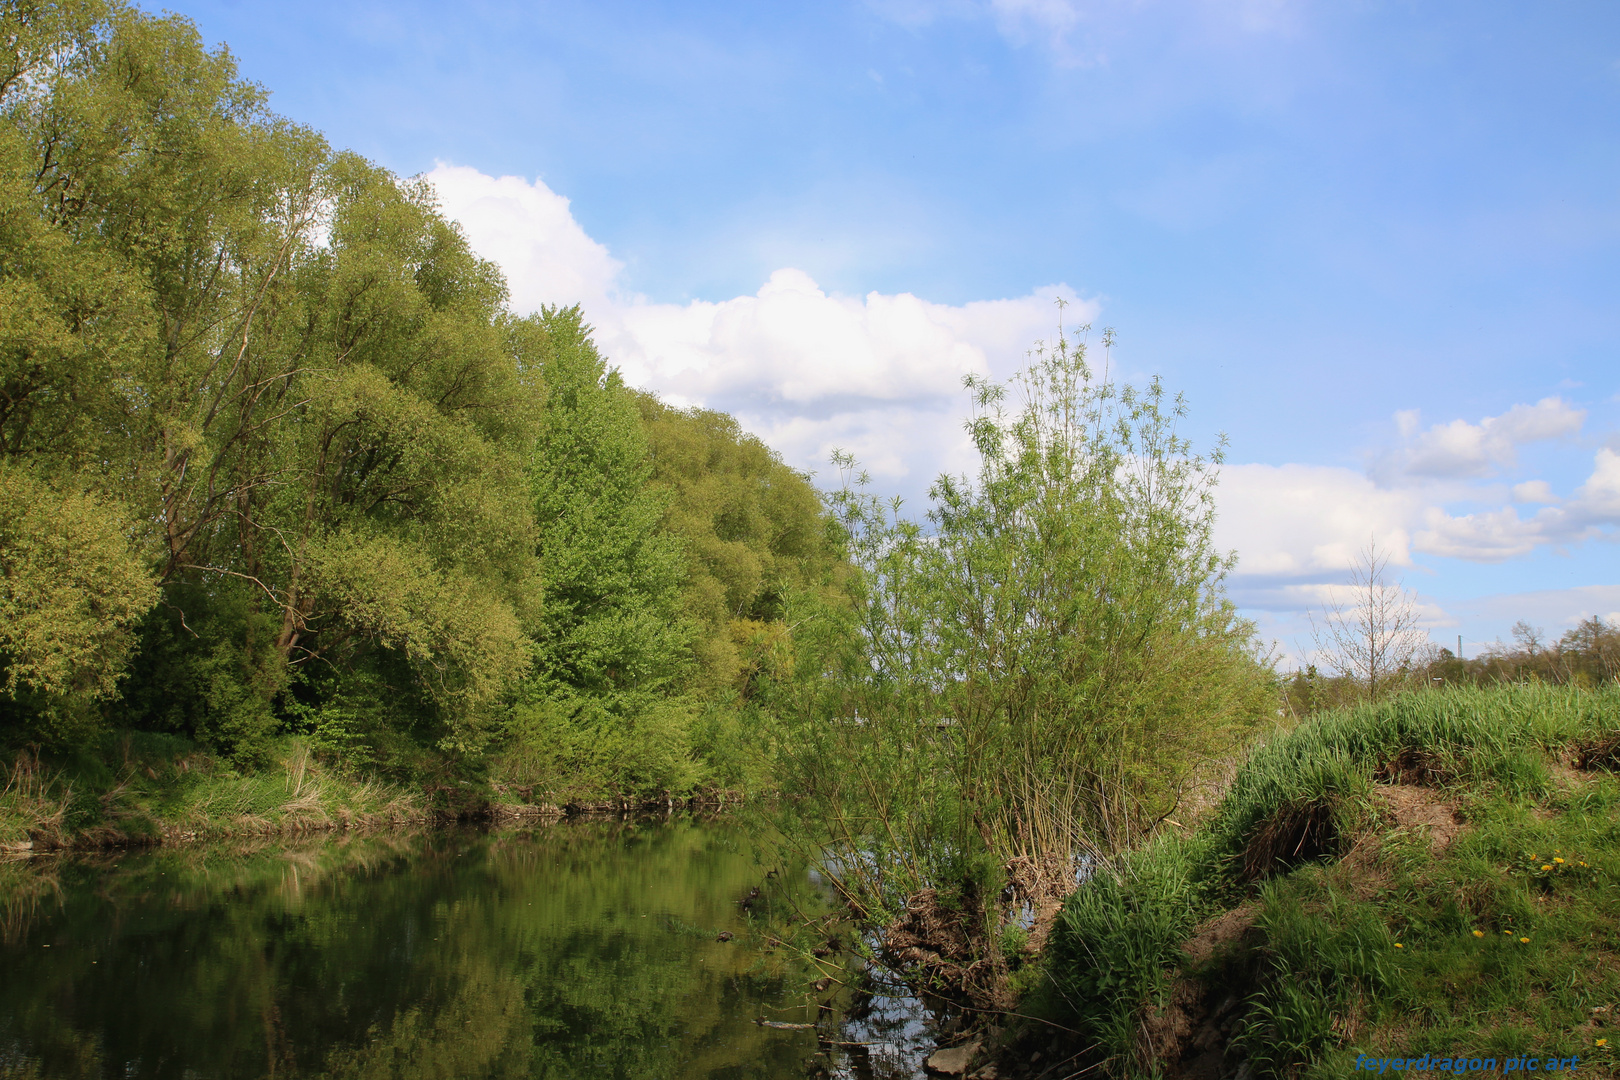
[
  {"x": 1413, "y": 807},
  {"x": 1297, "y": 833},
  {"x": 1187, "y": 1036},
  {"x": 1040, "y": 885},
  {"x": 1217, "y": 934}
]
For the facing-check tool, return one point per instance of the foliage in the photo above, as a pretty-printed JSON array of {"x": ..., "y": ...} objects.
[
  {"x": 275, "y": 457},
  {"x": 284, "y": 362},
  {"x": 756, "y": 532},
  {"x": 1042, "y": 674},
  {"x": 71, "y": 590}
]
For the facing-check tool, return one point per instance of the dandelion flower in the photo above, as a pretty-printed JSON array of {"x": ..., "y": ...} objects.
[
  {"x": 1558, "y": 860},
  {"x": 1603, "y": 1042},
  {"x": 1479, "y": 933},
  {"x": 1398, "y": 945},
  {"x": 1524, "y": 941},
  {"x": 1546, "y": 866}
]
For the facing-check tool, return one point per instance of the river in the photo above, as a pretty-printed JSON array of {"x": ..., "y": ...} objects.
[{"x": 630, "y": 950}]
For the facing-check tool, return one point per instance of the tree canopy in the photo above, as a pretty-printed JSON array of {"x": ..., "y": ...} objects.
[{"x": 274, "y": 451}]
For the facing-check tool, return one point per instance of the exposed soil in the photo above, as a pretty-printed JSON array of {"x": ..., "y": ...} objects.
[
  {"x": 1413, "y": 807},
  {"x": 1603, "y": 754},
  {"x": 1218, "y": 934}
]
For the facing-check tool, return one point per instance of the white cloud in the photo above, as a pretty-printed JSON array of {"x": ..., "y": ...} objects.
[
  {"x": 1461, "y": 449},
  {"x": 531, "y": 232},
  {"x": 1309, "y": 521},
  {"x": 1534, "y": 491},
  {"x": 1592, "y": 512},
  {"x": 880, "y": 375}
]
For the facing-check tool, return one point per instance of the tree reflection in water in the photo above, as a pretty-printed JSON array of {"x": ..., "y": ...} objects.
[{"x": 582, "y": 949}]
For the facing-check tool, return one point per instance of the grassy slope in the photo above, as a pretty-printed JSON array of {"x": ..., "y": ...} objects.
[
  {"x": 141, "y": 788},
  {"x": 1439, "y": 874}
]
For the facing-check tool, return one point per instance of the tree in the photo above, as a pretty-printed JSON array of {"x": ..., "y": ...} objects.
[
  {"x": 1044, "y": 670},
  {"x": 755, "y": 531},
  {"x": 280, "y": 369},
  {"x": 1374, "y": 637}
]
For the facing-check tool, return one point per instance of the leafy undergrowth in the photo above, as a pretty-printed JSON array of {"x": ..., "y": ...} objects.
[
  {"x": 1436, "y": 876},
  {"x": 145, "y": 788}
]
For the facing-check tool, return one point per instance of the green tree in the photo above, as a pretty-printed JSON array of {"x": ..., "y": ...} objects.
[
  {"x": 282, "y": 363},
  {"x": 599, "y": 714},
  {"x": 755, "y": 532},
  {"x": 1043, "y": 672}
]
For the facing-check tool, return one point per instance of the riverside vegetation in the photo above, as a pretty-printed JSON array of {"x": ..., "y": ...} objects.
[{"x": 301, "y": 526}]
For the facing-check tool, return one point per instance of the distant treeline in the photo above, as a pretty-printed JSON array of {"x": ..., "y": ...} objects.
[
  {"x": 277, "y": 458},
  {"x": 1586, "y": 656}
]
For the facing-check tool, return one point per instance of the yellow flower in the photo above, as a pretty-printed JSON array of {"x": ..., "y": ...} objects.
[
  {"x": 1558, "y": 860},
  {"x": 1524, "y": 941},
  {"x": 1479, "y": 933},
  {"x": 1583, "y": 864},
  {"x": 1544, "y": 866},
  {"x": 1398, "y": 945},
  {"x": 1603, "y": 1042}
]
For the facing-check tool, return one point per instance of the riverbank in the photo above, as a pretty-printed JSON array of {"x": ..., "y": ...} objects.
[
  {"x": 139, "y": 789},
  {"x": 1431, "y": 876}
]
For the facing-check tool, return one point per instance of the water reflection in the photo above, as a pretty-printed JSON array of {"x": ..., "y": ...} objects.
[{"x": 588, "y": 949}]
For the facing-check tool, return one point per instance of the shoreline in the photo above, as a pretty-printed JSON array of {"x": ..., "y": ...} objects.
[{"x": 104, "y": 838}]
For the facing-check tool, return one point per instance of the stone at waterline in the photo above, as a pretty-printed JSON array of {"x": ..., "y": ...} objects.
[{"x": 952, "y": 1061}]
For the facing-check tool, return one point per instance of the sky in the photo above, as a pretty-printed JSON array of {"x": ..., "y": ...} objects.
[{"x": 1376, "y": 245}]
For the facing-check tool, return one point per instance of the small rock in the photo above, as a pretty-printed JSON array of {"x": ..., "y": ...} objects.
[{"x": 952, "y": 1061}]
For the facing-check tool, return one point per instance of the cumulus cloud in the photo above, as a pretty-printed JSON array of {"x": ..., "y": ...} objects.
[
  {"x": 1459, "y": 449},
  {"x": 1304, "y": 522},
  {"x": 879, "y": 375},
  {"x": 1534, "y": 491},
  {"x": 530, "y": 231},
  {"x": 1293, "y": 521}
]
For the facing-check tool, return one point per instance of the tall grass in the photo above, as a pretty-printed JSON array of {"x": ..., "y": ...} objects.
[{"x": 141, "y": 788}]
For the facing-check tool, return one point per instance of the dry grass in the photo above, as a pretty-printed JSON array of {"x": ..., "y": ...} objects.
[{"x": 33, "y": 806}]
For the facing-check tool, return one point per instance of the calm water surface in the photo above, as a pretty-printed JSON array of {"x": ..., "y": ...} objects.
[{"x": 582, "y": 949}]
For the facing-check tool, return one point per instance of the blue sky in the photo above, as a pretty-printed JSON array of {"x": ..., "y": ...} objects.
[{"x": 1377, "y": 244}]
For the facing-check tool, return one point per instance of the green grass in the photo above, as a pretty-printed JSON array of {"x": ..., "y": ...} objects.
[
  {"x": 144, "y": 788},
  {"x": 1493, "y": 946}
]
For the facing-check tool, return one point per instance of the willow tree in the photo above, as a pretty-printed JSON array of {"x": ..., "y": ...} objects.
[
  {"x": 1040, "y": 670},
  {"x": 276, "y": 373}
]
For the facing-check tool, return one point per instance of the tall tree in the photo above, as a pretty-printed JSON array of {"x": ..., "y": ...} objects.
[{"x": 278, "y": 369}]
